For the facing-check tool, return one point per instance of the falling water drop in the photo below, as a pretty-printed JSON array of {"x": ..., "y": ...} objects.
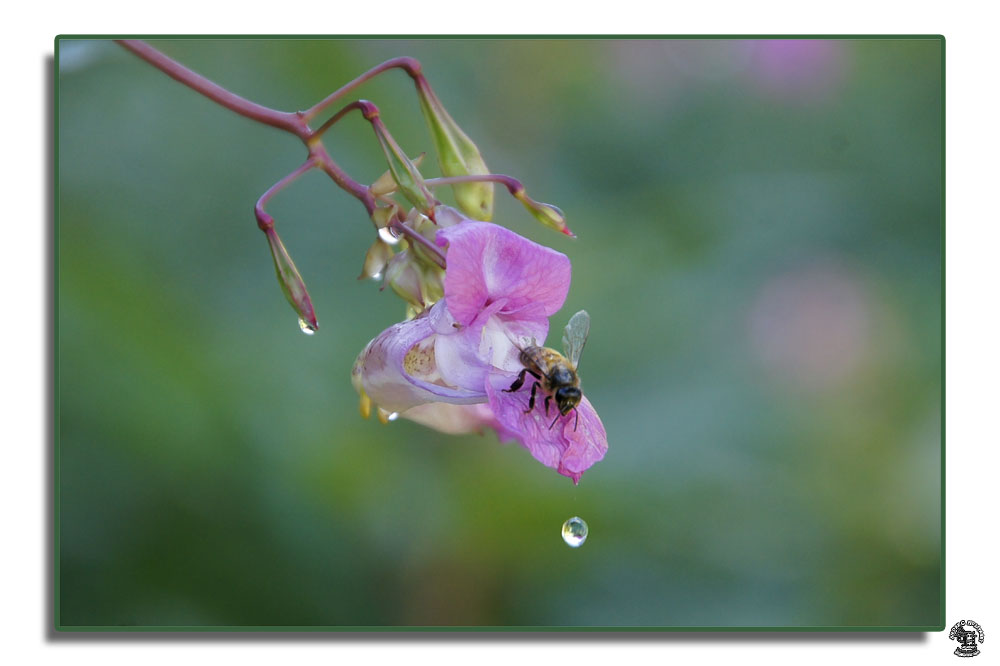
[
  {"x": 306, "y": 326},
  {"x": 388, "y": 235},
  {"x": 574, "y": 532}
]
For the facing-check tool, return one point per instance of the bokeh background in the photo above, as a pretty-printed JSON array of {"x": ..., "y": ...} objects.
[{"x": 760, "y": 251}]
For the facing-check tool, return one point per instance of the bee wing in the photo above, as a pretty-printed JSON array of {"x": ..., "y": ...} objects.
[{"x": 575, "y": 336}]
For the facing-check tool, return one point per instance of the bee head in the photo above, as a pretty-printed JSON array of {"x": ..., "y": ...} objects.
[{"x": 567, "y": 397}]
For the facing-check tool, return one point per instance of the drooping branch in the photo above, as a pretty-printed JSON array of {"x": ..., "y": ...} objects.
[
  {"x": 295, "y": 123},
  {"x": 290, "y": 122}
]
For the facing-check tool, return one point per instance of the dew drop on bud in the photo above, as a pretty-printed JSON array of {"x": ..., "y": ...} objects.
[
  {"x": 574, "y": 532},
  {"x": 392, "y": 416},
  {"x": 306, "y": 327},
  {"x": 388, "y": 235}
]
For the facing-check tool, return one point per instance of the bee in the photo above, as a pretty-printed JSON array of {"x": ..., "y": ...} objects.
[{"x": 556, "y": 373}]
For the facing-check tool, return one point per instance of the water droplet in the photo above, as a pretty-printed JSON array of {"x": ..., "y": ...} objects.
[
  {"x": 392, "y": 416},
  {"x": 306, "y": 326},
  {"x": 574, "y": 532},
  {"x": 376, "y": 276},
  {"x": 388, "y": 235}
]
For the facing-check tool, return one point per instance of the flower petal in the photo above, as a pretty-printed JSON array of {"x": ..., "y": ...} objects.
[
  {"x": 398, "y": 369},
  {"x": 451, "y": 419},
  {"x": 570, "y": 447},
  {"x": 487, "y": 262},
  {"x": 466, "y": 356}
]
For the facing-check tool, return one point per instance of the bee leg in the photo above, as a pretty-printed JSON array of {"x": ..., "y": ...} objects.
[
  {"x": 531, "y": 400},
  {"x": 548, "y": 399},
  {"x": 518, "y": 383}
]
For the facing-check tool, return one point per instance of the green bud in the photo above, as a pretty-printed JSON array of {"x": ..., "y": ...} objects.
[
  {"x": 433, "y": 284},
  {"x": 386, "y": 184},
  {"x": 291, "y": 282},
  {"x": 403, "y": 171},
  {"x": 376, "y": 258},
  {"x": 458, "y": 156},
  {"x": 547, "y": 214},
  {"x": 405, "y": 278},
  {"x": 419, "y": 283},
  {"x": 382, "y": 215},
  {"x": 423, "y": 226}
]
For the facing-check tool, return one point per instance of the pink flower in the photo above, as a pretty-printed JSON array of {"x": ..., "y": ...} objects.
[{"x": 448, "y": 367}]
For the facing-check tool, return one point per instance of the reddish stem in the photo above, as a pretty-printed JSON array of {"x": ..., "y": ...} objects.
[
  {"x": 290, "y": 122},
  {"x": 265, "y": 221},
  {"x": 294, "y": 123},
  {"x": 512, "y": 184},
  {"x": 416, "y": 237},
  {"x": 407, "y": 64}
]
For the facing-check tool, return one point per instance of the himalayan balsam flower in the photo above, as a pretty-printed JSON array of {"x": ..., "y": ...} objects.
[{"x": 448, "y": 367}]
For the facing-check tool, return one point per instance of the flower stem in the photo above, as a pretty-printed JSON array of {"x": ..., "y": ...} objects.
[
  {"x": 410, "y": 65},
  {"x": 290, "y": 122},
  {"x": 416, "y": 237},
  {"x": 265, "y": 221},
  {"x": 294, "y": 123},
  {"x": 513, "y": 185}
]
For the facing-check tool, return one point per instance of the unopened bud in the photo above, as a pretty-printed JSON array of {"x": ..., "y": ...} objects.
[
  {"x": 547, "y": 214},
  {"x": 404, "y": 277},
  {"x": 382, "y": 215},
  {"x": 291, "y": 281},
  {"x": 417, "y": 281},
  {"x": 386, "y": 184},
  {"x": 376, "y": 258},
  {"x": 403, "y": 171},
  {"x": 423, "y": 226},
  {"x": 458, "y": 156}
]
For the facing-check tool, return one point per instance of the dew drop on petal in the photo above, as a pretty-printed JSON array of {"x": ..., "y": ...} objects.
[
  {"x": 388, "y": 235},
  {"x": 392, "y": 416},
  {"x": 306, "y": 327},
  {"x": 574, "y": 532}
]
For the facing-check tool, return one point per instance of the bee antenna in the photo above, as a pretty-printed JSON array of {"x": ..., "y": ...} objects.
[
  {"x": 554, "y": 421},
  {"x": 576, "y": 421}
]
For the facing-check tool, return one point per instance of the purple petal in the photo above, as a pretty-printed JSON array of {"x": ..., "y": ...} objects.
[
  {"x": 465, "y": 356},
  {"x": 451, "y": 419},
  {"x": 398, "y": 369},
  {"x": 488, "y": 263},
  {"x": 569, "y": 451},
  {"x": 446, "y": 216}
]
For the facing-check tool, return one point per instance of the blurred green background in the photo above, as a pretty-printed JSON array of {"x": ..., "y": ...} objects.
[{"x": 759, "y": 248}]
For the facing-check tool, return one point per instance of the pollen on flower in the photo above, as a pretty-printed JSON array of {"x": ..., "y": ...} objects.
[{"x": 419, "y": 361}]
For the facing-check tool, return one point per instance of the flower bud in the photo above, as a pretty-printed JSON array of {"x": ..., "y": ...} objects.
[
  {"x": 382, "y": 215},
  {"x": 417, "y": 281},
  {"x": 376, "y": 258},
  {"x": 403, "y": 171},
  {"x": 291, "y": 282},
  {"x": 458, "y": 156},
  {"x": 386, "y": 184},
  {"x": 547, "y": 214},
  {"x": 404, "y": 277},
  {"x": 423, "y": 226}
]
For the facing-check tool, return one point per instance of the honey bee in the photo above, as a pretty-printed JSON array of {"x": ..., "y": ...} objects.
[{"x": 556, "y": 373}]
